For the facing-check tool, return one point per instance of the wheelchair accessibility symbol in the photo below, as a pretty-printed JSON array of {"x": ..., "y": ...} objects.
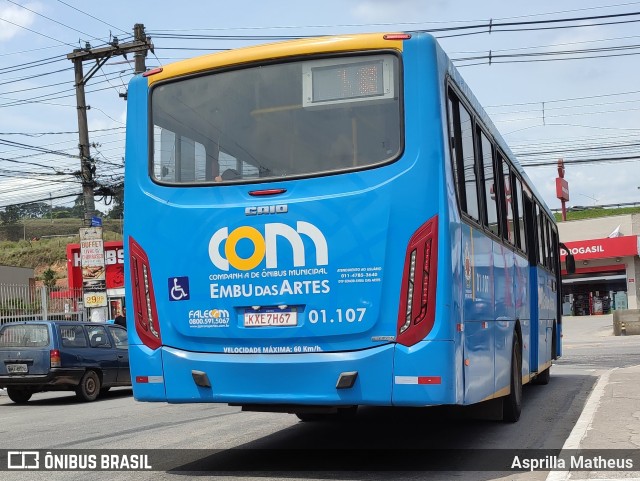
[{"x": 179, "y": 289}]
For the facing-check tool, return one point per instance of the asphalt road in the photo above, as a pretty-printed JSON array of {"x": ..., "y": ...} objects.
[{"x": 379, "y": 444}]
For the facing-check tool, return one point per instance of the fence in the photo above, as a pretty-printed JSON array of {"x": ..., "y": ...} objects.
[{"x": 19, "y": 302}]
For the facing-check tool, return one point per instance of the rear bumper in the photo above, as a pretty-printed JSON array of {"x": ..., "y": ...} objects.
[
  {"x": 167, "y": 374},
  {"x": 308, "y": 379},
  {"x": 56, "y": 378}
]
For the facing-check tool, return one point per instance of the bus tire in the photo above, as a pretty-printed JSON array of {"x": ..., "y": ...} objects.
[
  {"x": 311, "y": 417},
  {"x": 89, "y": 387},
  {"x": 344, "y": 414},
  {"x": 19, "y": 396},
  {"x": 542, "y": 378},
  {"x": 347, "y": 414},
  {"x": 512, "y": 403}
]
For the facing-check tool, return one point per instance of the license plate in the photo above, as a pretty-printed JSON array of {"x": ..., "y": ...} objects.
[
  {"x": 17, "y": 368},
  {"x": 270, "y": 317}
]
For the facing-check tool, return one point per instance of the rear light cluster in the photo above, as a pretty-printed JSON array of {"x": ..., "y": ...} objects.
[
  {"x": 418, "y": 293},
  {"x": 144, "y": 301},
  {"x": 54, "y": 358}
]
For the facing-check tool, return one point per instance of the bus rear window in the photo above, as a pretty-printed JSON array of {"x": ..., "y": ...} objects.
[
  {"x": 277, "y": 121},
  {"x": 24, "y": 335}
]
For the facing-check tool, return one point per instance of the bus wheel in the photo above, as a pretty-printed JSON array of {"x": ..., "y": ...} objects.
[
  {"x": 345, "y": 414},
  {"x": 17, "y": 395},
  {"x": 311, "y": 417},
  {"x": 512, "y": 404},
  {"x": 342, "y": 415},
  {"x": 543, "y": 377}
]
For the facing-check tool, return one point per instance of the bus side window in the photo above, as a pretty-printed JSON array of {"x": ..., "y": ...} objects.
[
  {"x": 490, "y": 192},
  {"x": 522, "y": 238},
  {"x": 550, "y": 244},
  {"x": 463, "y": 157},
  {"x": 542, "y": 243},
  {"x": 468, "y": 156},
  {"x": 508, "y": 203}
]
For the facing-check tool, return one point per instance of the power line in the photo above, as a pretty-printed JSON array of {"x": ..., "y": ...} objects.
[
  {"x": 55, "y": 21},
  {"x": 40, "y": 134},
  {"x": 21, "y": 52},
  {"x": 37, "y": 33},
  {"x": 95, "y": 18},
  {"x": 491, "y": 26},
  {"x": 30, "y": 77},
  {"x": 27, "y": 65},
  {"x": 582, "y": 161},
  {"x": 11, "y": 143},
  {"x": 393, "y": 24}
]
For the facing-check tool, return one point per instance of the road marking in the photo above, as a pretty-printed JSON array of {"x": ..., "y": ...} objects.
[{"x": 583, "y": 424}]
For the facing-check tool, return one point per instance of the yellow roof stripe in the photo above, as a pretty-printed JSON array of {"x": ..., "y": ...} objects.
[{"x": 338, "y": 43}]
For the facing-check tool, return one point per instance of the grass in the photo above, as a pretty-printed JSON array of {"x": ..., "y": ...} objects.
[{"x": 595, "y": 212}]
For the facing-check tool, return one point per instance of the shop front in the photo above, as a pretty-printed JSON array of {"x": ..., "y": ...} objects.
[
  {"x": 605, "y": 276},
  {"x": 114, "y": 274}
]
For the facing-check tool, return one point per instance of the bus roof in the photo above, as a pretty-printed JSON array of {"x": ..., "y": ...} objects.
[
  {"x": 337, "y": 43},
  {"x": 289, "y": 48},
  {"x": 452, "y": 71}
]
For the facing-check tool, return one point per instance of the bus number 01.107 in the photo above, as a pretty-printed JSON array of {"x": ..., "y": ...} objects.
[{"x": 341, "y": 315}]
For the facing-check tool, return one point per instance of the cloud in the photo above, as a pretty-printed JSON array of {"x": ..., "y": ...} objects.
[{"x": 17, "y": 16}]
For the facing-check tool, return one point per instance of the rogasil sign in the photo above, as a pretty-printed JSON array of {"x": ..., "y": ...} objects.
[
  {"x": 583, "y": 250},
  {"x": 264, "y": 245},
  {"x": 603, "y": 248}
]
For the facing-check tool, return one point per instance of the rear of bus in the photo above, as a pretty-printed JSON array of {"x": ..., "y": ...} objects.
[{"x": 287, "y": 229}]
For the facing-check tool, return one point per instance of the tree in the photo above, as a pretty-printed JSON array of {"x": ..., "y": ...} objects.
[
  {"x": 77, "y": 211},
  {"x": 117, "y": 196},
  {"x": 61, "y": 213},
  {"x": 49, "y": 278},
  {"x": 35, "y": 210},
  {"x": 11, "y": 215}
]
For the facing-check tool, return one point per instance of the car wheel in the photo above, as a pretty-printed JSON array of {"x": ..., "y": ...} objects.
[
  {"x": 19, "y": 396},
  {"x": 89, "y": 387}
]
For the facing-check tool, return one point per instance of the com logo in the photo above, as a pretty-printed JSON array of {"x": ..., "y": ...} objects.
[{"x": 265, "y": 245}]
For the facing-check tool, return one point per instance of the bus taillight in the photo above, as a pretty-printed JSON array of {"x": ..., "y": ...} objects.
[
  {"x": 144, "y": 301},
  {"x": 418, "y": 293}
]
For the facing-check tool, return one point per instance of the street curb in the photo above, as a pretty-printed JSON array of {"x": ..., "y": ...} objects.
[{"x": 583, "y": 424}]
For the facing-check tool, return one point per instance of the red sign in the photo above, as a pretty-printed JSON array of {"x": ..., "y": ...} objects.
[
  {"x": 562, "y": 189},
  {"x": 113, "y": 261},
  {"x": 603, "y": 248}
]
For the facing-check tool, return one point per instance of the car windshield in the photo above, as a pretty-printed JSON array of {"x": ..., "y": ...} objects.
[
  {"x": 274, "y": 121},
  {"x": 24, "y": 335}
]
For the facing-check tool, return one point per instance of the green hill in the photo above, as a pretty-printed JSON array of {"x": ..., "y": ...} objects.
[{"x": 42, "y": 243}]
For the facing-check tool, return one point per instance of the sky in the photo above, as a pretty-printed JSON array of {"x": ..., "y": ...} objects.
[{"x": 558, "y": 79}]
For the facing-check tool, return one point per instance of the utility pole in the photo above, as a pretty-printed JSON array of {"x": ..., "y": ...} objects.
[{"x": 139, "y": 47}]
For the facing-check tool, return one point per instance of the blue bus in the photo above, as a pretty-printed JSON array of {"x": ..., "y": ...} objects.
[{"x": 321, "y": 224}]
